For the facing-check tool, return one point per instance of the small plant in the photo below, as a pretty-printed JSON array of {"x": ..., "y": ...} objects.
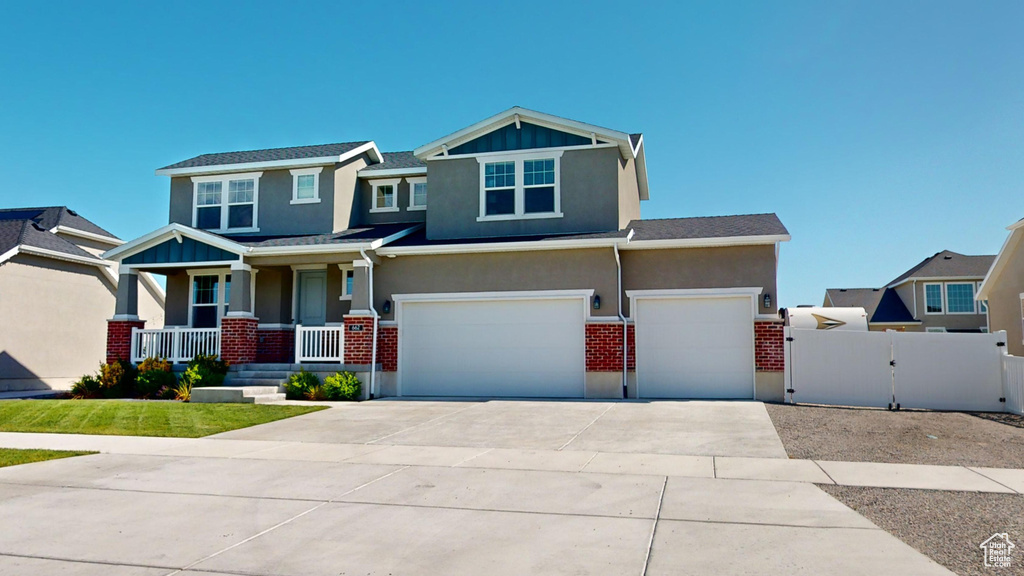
[
  {"x": 317, "y": 393},
  {"x": 206, "y": 371},
  {"x": 300, "y": 384},
  {"x": 154, "y": 375},
  {"x": 117, "y": 379},
  {"x": 183, "y": 391},
  {"x": 87, "y": 387},
  {"x": 342, "y": 386}
]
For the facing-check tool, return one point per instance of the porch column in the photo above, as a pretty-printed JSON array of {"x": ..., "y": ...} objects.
[
  {"x": 126, "y": 315},
  {"x": 238, "y": 337},
  {"x": 360, "y": 288}
]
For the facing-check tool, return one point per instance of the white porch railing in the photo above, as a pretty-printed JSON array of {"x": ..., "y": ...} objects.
[
  {"x": 1013, "y": 378},
  {"x": 319, "y": 343},
  {"x": 175, "y": 343}
]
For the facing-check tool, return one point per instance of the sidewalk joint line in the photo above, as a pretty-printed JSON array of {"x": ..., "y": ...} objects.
[
  {"x": 573, "y": 439},
  {"x": 473, "y": 457},
  {"x": 77, "y": 561},
  {"x": 654, "y": 528},
  {"x": 992, "y": 479},
  {"x": 589, "y": 460},
  {"x": 818, "y": 464},
  {"x": 423, "y": 424}
]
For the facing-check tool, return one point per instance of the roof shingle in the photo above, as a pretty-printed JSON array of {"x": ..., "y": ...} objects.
[
  {"x": 267, "y": 155},
  {"x": 708, "y": 227},
  {"x": 948, "y": 264},
  {"x": 396, "y": 160}
]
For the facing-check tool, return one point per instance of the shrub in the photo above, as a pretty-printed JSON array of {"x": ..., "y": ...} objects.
[
  {"x": 154, "y": 375},
  {"x": 183, "y": 390},
  {"x": 206, "y": 371},
  {"x": 117, "y": 379},
  {"x": 86, "y": 387},
  {"x": 300, "y": 384},
  {"x": 342, "y": 386}
]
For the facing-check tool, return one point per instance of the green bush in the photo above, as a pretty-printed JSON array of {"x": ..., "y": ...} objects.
[
  {"x": 117, "y": 379},
  {"x": 86, "y": 387},
  {"x": 300, "y": 385},
  {"x": 154, "y": 375},
  {"x": 342, "y": 386},
  {"x": 206, "y": 371},
  {"x": 183, "y": 390}
]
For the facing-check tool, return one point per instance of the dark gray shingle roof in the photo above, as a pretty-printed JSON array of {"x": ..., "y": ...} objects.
[
  {"x": 23, "y": 232},
  {"x": 394, "y": 160},
  {"x": 947, "y": 264},
  {"x": 350, "y": 236},
  {"x": 267, "y": 155},
  {"x": 50, "y": 216},
  {"x": 881, "y": 304},
  {"x": 708, "y": 227}
]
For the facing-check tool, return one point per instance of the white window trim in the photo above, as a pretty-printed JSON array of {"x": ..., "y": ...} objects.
[
  {"x": 945, "y": 299},
  {"x": 393, "y": 182},
  {"x": 942, "y": 297},
  {"x": 224, "y": 179},
  {"x": 345, "y": 269},
  {"x": 315, "y": 173},
  {"x": 412, "y": 193},
  {"x": 977, "y": 288},
  {"x": 520, "y": 193},
  {"x": 221, "y": 285}
]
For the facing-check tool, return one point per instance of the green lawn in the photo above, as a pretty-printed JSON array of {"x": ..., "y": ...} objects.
[
  {"x": 142, "y": 418},
  {"x": 13, "y": 456}
]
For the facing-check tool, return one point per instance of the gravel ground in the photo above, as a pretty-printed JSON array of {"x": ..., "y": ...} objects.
[
  {"x": 907, "y": 436},
  {"x": 947, "y": 527}
]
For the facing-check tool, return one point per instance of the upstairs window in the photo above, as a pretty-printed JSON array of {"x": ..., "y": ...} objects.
[
  {"x": 960, "y": 299},
  {"x": 417, "y": 193},
  {"x": 520, "y": 186},
  {"x": 933, "y": 298},
  {"x": 226, "y": 203},
  {"x": 306, "y": 185},
  {"x": 384, "y": 196}
]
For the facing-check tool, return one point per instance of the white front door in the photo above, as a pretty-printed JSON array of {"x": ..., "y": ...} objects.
[
  {"x": 312, "y": 297},
  {"x": 695, "y": 347},
  {"x": 522, "y": 347}
]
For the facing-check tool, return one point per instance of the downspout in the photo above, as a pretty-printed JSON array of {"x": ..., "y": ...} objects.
[
  {"x": 376, "y": 319},
  {"x": 625, "y": 324}
]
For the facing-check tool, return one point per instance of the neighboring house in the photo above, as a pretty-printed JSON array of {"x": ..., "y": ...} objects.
[
  {"x": 1003, "y": 290},
  {"x": 937, "y": 295},
  {"x": 55, "y": 297},
  {"x": 506, "y": 259}
]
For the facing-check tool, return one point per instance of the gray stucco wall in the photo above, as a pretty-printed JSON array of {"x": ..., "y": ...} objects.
[
  {"x": 948, "y": 321},
  {"x": 629, "y": 193},
  {"x": 500, "y": 271},
  {"x": 589, "y": 198},
  {"x": 274, "y": 295},
  {"x": 176, "y": 309},
  {"x": 1004, "y": 301},
  {"x": 364, "y": 203},
  {"x": 725, "y": 267}
]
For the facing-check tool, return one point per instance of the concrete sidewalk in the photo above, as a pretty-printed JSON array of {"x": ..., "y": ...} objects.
[{"x": 926, "y": 477}]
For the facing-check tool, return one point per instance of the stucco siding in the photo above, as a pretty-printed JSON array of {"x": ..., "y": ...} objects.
[
  {"x": 1004, "y": 306},
  {"x": 346, "y": 193},
  {"x": 588, "y": 190},
  {"x": 403, "y": 214},
  {"x": 274, "y": 295},
  {"x": 498, "y": 272},
  {"x": 947, "y": 321},
  {"x": 629, "y": 193},
  {"x": 176, "y": 312},
  {"x": 54, "y": 317},
  {"x": 688, "y": 268}
]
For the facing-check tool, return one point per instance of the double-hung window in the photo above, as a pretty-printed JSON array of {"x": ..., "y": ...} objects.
[
  {"x": 227, "y": 203},
  {"x": 520, "y": 187},
  {"x": 209, "y": 303},
  {"x": 348, "y": 277},
  {"x": 417, "y": 193},
  {"x": 385, "y": 195},
  {"x": 960, "y": 298},
  {"x": 933, "y": 299},
  {"x": 306, "y": 185}
]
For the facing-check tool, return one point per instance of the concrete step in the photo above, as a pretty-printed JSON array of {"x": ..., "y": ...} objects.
[
  {"x": 236, "y": 394},
  {"x": 275, "y": 382},
  {"x": 267, "y": 398}
]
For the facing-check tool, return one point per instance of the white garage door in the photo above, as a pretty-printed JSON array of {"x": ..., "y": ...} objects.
[
  {"x": 695, "y": 348},
  {"x": 522, "y": 347}
]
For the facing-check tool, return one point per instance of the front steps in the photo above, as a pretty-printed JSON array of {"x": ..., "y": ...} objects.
[
  {"x": 236, "y": 394},
  {"x": 276, "y": 374}
]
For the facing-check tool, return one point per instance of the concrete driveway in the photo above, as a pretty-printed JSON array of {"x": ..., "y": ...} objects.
[{"x": 417, "y": 488}]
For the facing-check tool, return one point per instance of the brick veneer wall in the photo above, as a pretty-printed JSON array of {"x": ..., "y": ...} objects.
[
  {"x": 238, "y": 340},
  {"x": 275, "y": 346},
  {"x": 119, "y": 338},
  {"x": 769, "y": 355},
  {"x": 604, "y": 347},
  {"x": 358, "y": 343},
  {"x": 387, "y": 348}
]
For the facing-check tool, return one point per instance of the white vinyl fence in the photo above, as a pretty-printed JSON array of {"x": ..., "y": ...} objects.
[
  {"x": 319, "y": 343},
  {"x": 911, "y": 370},
  {"x": 174, "y": 343},
  {"x": 1013, "y": 376}
]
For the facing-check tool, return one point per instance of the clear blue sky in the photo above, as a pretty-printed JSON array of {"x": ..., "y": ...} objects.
[{"x": 880, "y": 132}]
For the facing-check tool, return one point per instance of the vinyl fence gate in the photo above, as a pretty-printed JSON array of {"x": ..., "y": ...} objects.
[{"x": 896, "y": 369}]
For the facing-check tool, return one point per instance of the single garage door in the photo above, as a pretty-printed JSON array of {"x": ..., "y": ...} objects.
[
  {"x": 695, "y": 347},
  {"x": 523, "y": 347}
]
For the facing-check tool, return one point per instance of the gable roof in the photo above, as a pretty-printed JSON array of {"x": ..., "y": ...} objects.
[
  {"x": 395, "y": 163},
  {"x": 736, "y": 226},
  {"x": 947, "y": 264},
  {"x": 883, "y": 305},
  {"x": 1006, "y": 253},
  {"x": 50, "y": 217},
  {"x": 271, "y": 158},
  {"x": 33, "y": 231}
]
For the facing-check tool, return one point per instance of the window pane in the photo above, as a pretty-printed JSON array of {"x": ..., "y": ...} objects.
[
  {"x": 385, "y": 196},
  {"x": 240, "y": 191},
  {"x": 208, "y": 218},
  {"x": 306, "y": 186},
  {"x": 933, "y": 297},
  {"x": 499, "y": 174},
  {"x": 538, "y": 172},
  {"x": 240, "y": 216},
  {"x": 349, "y": 279},
  {"x": 960, "y": 297},
  {"x": 539, "y": 200},
  {"x": 419, "y": 194},
  {"x": 227, "y": 289},
  {"x": 208, "y": 194},
  {"x": 204, "y": 289},
  {"x": 500, "y": 202},
  {"x": 204, "y": 317}
]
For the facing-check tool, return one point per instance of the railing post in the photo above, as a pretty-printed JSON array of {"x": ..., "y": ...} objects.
[
  {"x": 175, "y": 344},
  {"x": 298, "y": 343},
  {"x": 133, "y": 346}
]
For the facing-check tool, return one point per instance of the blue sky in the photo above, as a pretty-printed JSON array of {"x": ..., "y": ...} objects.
[{"x": 880, "y": 132}]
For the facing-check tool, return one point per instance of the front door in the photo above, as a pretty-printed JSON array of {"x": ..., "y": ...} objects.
[{"x": 312, "y": 297}]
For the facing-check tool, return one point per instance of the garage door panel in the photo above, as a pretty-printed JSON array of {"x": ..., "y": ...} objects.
[
  {"x": 695, "y": 348},
  {"x": 492, "y": 348}
]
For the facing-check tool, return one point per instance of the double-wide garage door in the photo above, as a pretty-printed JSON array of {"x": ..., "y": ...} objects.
[
  {"x": 516, "y": 347},
  {"x": 694, "y": 347}
]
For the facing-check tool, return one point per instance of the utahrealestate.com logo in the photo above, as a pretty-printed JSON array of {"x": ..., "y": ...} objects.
[{"x": 998, "y": 549}]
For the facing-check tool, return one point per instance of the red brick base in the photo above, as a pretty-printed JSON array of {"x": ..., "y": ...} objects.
[
  {"x": 769, "y": 354},
  {"x": 238, "y": 341},
  {"x": 358, "y": 339},
  {"x": 275, "y": 346},
  {"x": 119, "y": 338},
  {"x": 387, "y": 348},
  {"x": 604, "y": 347}
]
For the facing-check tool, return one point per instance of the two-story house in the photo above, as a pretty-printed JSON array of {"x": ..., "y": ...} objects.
[
  {"x": 505, "y": 259},
  {"x": 937, "y": 295}
]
